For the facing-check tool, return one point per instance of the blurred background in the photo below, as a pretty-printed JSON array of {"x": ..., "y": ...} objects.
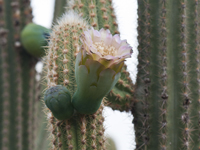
[{"x": 117, "y": 124}]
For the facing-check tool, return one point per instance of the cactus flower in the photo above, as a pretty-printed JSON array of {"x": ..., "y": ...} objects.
[
  {"x": 97, "y": 68},
  {"x": 58, "y": 100}
]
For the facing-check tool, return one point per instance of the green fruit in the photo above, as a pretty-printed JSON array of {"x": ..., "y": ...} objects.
[
  {"x": 33, "y": 38},
  {"x": 58, "y": 100}
]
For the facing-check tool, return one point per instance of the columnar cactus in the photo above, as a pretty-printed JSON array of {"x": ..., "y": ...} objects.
[
  {"x": 166, "y": 112},
  {"x": 17, "y": 78},
  {"x": 166, "y": 115},
  {"x": 81, "y": 131}
]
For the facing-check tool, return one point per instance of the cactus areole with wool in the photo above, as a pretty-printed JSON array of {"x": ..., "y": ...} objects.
[{"x": 97, "y": 68}]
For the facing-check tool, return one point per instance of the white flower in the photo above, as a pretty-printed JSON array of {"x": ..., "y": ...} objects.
[{"x": 105, "y": 48}]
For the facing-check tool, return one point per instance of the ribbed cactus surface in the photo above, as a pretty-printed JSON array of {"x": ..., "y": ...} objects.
[
  {"x": 81, "y": 131},
  {"x": 17, "y": 78},
  {"x": 166, "y": 113}
]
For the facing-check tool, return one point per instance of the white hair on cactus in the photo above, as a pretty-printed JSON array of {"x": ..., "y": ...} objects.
[{"x": 72, "y": 18}]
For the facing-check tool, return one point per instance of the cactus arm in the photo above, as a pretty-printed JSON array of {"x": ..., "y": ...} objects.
[
  {"x": 106, "y": 15},
  {"x": 59, "y": 8},
  {"x": 112, "y": 17},
  {"x": 93, "y": 13}
]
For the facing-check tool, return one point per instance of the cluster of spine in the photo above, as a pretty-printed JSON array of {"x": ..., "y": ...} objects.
[
  {"x": 100, "y": 130},
  {"x": 100, "y": 14},
  {"x": 163, "y": 75},
  {"x": 81, "y": 131},
  {"x": 185, "y": 116},
  {"x": 194, "y": 55},
  {"x": 15, "y": 78},
  {"x": 168, "y": 120},
  {"x": 107, "y": 15},
  {"x": 86, "y": 9}
]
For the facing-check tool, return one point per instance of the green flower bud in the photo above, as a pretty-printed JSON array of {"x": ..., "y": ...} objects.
[
  {"x": 58, "y": 100},
  {"x": 33, "y": 38}
]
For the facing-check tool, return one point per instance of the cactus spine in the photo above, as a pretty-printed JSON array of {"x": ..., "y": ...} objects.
[
  {"x": 80, "y": 131},
  {"x": 167, "y": 120}
]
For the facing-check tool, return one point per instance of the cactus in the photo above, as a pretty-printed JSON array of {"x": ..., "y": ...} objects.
[
  {"x": 20, "y": 101},
  {"x": 80, "y": 131},
  {"x": 17, "y": 79},
  {"x": 105, "y": 16},
  {"x": 167, "y": 91},
  {"x": 19, "y": 94},
  {"x": 166, "y": 109}
]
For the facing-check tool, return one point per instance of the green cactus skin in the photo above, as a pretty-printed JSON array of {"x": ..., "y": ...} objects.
[
  {"x": 193, "y": 44},
  {"x": 99, "y": 13},
  {"x": 34, "y": 38},
  {"x": 106, "y": 16},
  {"x": 17, "y": 72},
  {"x": 167, "y": 120},
  {"x": 86, "y": 9},
  {"x": 59, "y": 9},
  {"x": 58, "y": 100}
]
